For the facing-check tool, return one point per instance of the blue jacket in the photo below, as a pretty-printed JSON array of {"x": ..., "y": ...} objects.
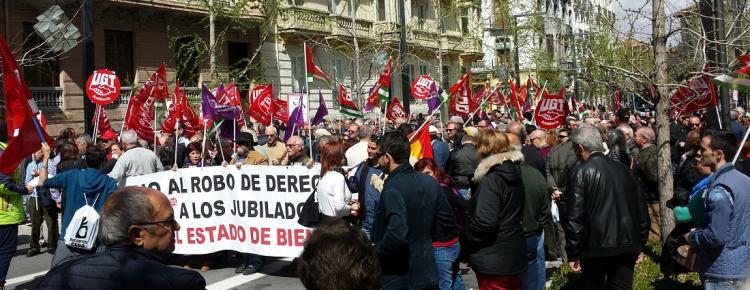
[
  {"x": 440, "y": 152},
  {"x": 404, "y": 225},
  {"x": 372, "y": 196},
  {"x": 120, "y": 267},
  {"x": 76, "y": 183},
  {"x": 737, "y": 129},
  {"x": 723, "y": 242}
]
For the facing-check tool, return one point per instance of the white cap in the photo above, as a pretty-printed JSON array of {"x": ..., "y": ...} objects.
[{"x": 433, "y": 129}]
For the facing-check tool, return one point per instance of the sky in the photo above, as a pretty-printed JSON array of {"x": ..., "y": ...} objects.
[{"x": 634, "y": 16}]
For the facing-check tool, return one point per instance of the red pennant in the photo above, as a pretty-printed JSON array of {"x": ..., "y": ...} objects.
[
  {"x": 100, "y": 121},
  {"x": 395, "y": 110},
  {"x": 699, "y": 93},
  {"x": 19, "y": 103},
  {"x": 261, "y": 107},
  {"x": 280, "y": 109},
  {"x": 460, "y": 98}
]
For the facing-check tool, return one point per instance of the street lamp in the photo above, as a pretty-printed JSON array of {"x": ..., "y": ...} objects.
[{"x": 515, "y": 40}]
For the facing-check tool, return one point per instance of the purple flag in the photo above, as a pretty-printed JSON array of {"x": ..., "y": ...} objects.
[
  {"x": 433, "y": 99},
  {"x": 295, "y": 122},
  {"x": 212, "y": 110},
  {"x": 321, "y": 112}
]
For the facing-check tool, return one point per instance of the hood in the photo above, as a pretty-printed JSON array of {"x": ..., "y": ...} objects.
[
  {"x": 506, "y": 169},
  {"x": 93, "y": 181}
]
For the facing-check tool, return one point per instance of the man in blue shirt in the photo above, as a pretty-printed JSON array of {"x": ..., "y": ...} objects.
[
  {"x": 41, "y": 208},
  {"x": 723, "y": 243}
]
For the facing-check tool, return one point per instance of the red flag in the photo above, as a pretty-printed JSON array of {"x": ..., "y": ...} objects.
[
  {"x": 496, "y": 97},
  {"x": 421, "y": 144},
  {"x": 515, "y": 104},
  {"x": 381, "y": 90},
  {"x": 313, "y": 69},
  {"x": 102, "y": 122},
  {"x": 188, "y": 117},
  {"x": 20, "y": 148},
  {"x": 551, "y": 110},
  {"x": 477, "y": 98},
  {"x": 174, "y": 113},
  {"x": 347, "y": 106},
  {"x": 617, "y": 97},
  {"x": 698, "y": 93},
  {"x": 160, "y": 90},
  {"x": 140, "y": 113},
  {"x": 395, "y": 110},
  {"x": 260, "y": 109},
  {"x": 280, "y": 110},
  {"x": 232, "y": 97},
  {"x": 460, "y": 94},
  {"x": 19, "y": 104}
]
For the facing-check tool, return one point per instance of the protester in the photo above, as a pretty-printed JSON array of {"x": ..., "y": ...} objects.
[
  {"x": 357, "y": 153},
  {"x": 245, "y": 152},
  {"x": 82, "y": 187},
  {"x": 536, "y": 217},
  {"x": 11, "y": 214},
  {"x": 195, "y": 156},
  {"x": 295, "y": 154},
  {"x": 607, "y": 226},
  {"x": 137, "y": 228},
  {"x": 645, "y": 169},
  {"x": 455, "y": 133},
  {"x": 461, "y": 165},
  {"x": 361, "y": 183},
  {"x": 532, "y": 155},
  {"x": 445, "y": 243},
  {"x": 409, "y": 205},
  {"x": 135, "y": 161},
  {"x": 334, "y": 197},
  {"x": 275, "y": 149},
  {"x": 723, "y": 251},
  {"x": 337, "y": 256},
  {"x": 42, "y": 208},
  {"x": 440, "y": 149},
  {"x": 83, "y": 141},
  {"x": 493, "y": 238},
  {"x": 618, "y": 150},
  {"x": 538, "y": 139}
]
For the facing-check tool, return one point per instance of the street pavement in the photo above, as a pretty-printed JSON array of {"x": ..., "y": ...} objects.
[{"x": 25, "y": 272}]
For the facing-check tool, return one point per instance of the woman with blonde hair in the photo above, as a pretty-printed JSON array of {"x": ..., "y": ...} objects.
[{"x": 493, "y": 238}]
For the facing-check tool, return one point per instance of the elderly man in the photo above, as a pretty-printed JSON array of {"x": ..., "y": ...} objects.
[
  {"x": 538, "y": 139},
  {"x": 607, "y": 224},
  {"x": 137, "y": 227},
  {"x": 645, "y": 169},
  {"x": 630, "y": 141},
  {"x": 275, "y": 149},
  {"x": 83, "y": 141},
  {"x": 135, "y": 161},
  {"x": 357, "y": 153},
  {"x": 532, "y": 155},
  {"x": 245, "y": 153},
  {"x": 295, "y": 154},
  {"x": 440, "y": 150},
  {"x": 454, "y": 131},
  {"x": 483, "y": 125}
]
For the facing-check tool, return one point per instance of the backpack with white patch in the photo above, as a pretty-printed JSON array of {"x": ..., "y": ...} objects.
[{"x": 84, "y": 227}]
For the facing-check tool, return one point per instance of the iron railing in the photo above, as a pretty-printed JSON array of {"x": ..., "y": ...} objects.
[{"x": 47, "y": 97}]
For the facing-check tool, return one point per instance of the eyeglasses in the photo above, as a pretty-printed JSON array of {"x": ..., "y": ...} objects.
[
  {"x": 170, "y": 224},
  {"x": 481, "y": 126},
  {"x": 270, "y": 135},
  {"x": 292, "y": 145},
  {"x": 449, "y": 130},
  {"x": 695, "y": 125},
  {"x": 562, "y": 136}
]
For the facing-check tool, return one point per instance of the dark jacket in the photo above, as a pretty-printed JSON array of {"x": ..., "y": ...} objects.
[
  {"x": 533, "y": 156},
  {"x": 441, "y": 153},
  {"x": 646, "y": 170},
  {"x": 462, "y": 163},
  {"x": 405, "y": 219},
  {"x": 561, "y": 159},
  {"x": 123, "y": 268},
  {"x": 606, "y": 213},
  {"x": 493, "y": 237},
  {"x": 536, "y": 213}
]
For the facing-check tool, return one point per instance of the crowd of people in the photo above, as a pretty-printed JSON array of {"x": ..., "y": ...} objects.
[{"x": 498, "y": 196}]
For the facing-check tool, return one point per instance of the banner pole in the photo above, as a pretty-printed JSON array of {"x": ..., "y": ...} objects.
[
  {"x": 203, "y": 146},
  {"x": 718, "y": 115},
  {"x": 428, "y": 118},
  {"x": 97, "y": 115},
  {"x": 176, "y": 137},
  {"x": 484, "y": 100},
  {"x": 533, "y": 115}
]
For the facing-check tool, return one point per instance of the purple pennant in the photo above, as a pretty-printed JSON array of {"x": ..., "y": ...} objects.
[
  {"x": 322, "y": 110},
  {"x": 212, "y": 110},
  {"x": 433, "y": 99},
  {"x": 295, "y": 122}
]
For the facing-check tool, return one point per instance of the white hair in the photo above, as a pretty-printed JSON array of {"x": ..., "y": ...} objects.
[
  {"x": 588, "y": 137},
  {"x": 626, "y": 129},
  {"x": 129, "y": 137}
]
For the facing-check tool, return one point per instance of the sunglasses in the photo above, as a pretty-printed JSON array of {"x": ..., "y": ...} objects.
[
  {"x": 562, "y": 136},
  {"x": 292, "y": 145}
]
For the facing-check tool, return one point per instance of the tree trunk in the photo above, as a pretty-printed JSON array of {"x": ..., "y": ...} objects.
[
  {"x": 662, "y": 117},
  {"x": 355, "y": 82}
]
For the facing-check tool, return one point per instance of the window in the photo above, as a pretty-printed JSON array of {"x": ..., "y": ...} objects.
[
  {"x": 297, "y": 2},
  {"x": 422, "y": 70},
  {"x": 381, "y": 10},
  {"x": 44, "y": 74},
  {"x": 465, "y": 20},
  {"x": 298, "y": 74},
  {"x": 237, "y": 54},
  {"x": 550, "y": 39},
  {"x": 118, "y": 54},
  {"x": 419, "y": 13}
]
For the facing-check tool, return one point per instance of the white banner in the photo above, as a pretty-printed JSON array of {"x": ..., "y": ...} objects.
[{"x": 252, "y": 210}]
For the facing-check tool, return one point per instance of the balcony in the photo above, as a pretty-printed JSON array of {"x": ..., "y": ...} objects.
[
  {"x": 451, "y": 41},
  {"x": 385, "y": 31},
  {"x": 471, "y": 46},
  {"x": 423, "y": 38},
  {"x": 47, "y": 97},
  {"x": 342, "y": 26},
  {"x": 252, "y": 9},
  {"x": 297, "y": 19}
]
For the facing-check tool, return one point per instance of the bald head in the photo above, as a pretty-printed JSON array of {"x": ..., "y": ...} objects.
[
  {"x": 514, "y": 140},
  {"x": 515, "y": 128}
]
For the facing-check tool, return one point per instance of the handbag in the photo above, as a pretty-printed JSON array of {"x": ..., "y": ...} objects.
[
  {"x": 687, "y": 257},
  {"x": 309, "y": 215}
]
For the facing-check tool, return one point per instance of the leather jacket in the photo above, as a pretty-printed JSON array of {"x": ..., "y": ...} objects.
[{"x": 606, "y": 213}]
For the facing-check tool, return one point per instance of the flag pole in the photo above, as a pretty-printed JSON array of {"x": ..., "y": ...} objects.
[
  {"x": 97, "y": 115},
  {"x": 176, "y": 137},
  {"x": 742, "y": 144},
  {"x": 38, "y": 128},
  {"x": 718, "y": 115},
  {"x": 127, "y": 110},
  {"x": 309, "y": 124},
  {"x": 218, "y": 140},
  {"x": 203, "y": 145},
  {"x": 428, "y": 118},
  {"x": 533, "y": 116},
  {"x": 484, "y": 100}
]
